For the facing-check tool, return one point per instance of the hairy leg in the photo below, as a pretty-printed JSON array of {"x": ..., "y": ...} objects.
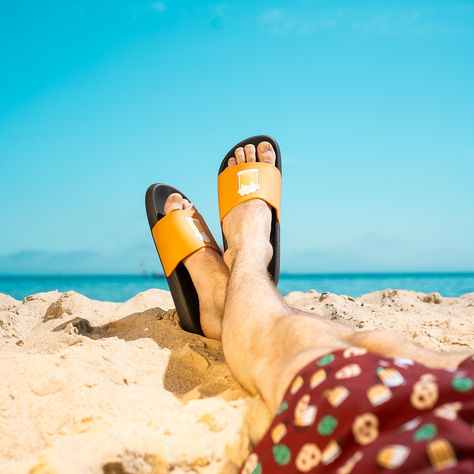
[
  {"x": 393, "y": 345},
  {"x": 264, "y": 341}
]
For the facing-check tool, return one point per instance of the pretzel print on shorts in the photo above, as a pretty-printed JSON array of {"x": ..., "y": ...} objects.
[{"x": 354, "y": 411}]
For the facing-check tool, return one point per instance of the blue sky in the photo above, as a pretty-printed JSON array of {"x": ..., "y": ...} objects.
[{"x": 372, "y": 103}]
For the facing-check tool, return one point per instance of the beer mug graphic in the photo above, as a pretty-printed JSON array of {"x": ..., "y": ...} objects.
[
  {"x": 198, "y": 230},
  {"x": 248, "y": 181}
]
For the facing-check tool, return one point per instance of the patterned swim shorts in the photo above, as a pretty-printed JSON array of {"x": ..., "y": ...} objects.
[{"x": 354, "y": 411}]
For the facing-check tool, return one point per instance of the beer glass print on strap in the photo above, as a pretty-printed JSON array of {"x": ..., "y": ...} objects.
[
  {"x": 198, "y": 230},
  {"x": 248, "y": 181}
]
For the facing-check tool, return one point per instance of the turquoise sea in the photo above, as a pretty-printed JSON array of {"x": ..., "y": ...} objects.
[{"x": 120, "y": 288}]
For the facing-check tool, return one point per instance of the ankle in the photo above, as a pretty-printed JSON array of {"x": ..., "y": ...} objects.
[
  {"x": 249, "y": 254},
  {"x": 211, "y": 312}
]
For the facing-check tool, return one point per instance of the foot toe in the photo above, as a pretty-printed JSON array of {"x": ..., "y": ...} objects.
[
  {"x": 175, "y": 202},
  {"x": 240, "y": 155},
  {"x": 250, "y": 153},
  {"x": 231, "y": 162},
  {"x": 265, "y": 153},
  {"x": 188, "y": 206}
]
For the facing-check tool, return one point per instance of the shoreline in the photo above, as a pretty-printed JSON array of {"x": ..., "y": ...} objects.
[{"x": 119, "y": 288}]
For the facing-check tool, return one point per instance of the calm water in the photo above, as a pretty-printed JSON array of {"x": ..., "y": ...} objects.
[{"x": 121, "y": 288}]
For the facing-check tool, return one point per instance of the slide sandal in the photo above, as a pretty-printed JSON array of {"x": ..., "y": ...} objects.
[
  {"x": 253, "y": 181},
  {"x": 176, "y": 236}
]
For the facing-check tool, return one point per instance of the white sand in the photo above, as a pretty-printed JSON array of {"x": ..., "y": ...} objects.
[{"x": 95, "y": 387}]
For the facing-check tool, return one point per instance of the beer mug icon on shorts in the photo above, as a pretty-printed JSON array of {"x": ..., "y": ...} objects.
[
  {"x": 198, "y": 230},
  {"x": 248, "y": 181}
]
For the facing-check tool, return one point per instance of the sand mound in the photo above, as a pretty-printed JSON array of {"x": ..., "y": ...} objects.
[{"x": 98, "y": 387}]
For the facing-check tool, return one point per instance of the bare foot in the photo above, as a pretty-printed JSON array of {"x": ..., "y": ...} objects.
[
  {"x": 209, "y": 274},
  {"x": 247, "y": 226}
]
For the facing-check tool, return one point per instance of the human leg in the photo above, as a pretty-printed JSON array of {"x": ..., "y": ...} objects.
[
  {"x": 209, "y": 274},
  {"x": 394, "y": 345},
  {"x": 266, "y": 342}
]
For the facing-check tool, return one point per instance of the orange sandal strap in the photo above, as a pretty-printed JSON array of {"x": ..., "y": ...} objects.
[
  {"x": 241, "y": 183},
  {"x": 179, "y": 234}
]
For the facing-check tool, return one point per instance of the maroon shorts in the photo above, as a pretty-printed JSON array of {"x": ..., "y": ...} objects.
[{"x": 354, "y": 411}]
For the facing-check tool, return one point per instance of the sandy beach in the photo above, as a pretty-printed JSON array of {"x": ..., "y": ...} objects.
[{"x": 98, "y": 387}]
